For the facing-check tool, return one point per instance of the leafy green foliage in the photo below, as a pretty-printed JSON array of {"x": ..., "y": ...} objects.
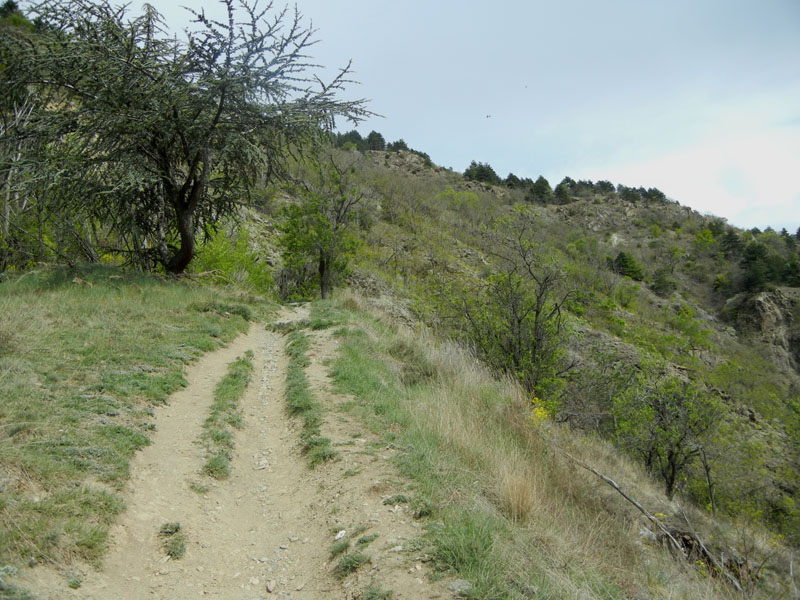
[
  {"x": 627, "y": 266},
  {"x": 477, "y": 171},
  {"x": 665, "y": 423},
  {"x": 172, "y": 134},
  {"x": 321, "y": 228},
  {"x": 227, "y": 253},
  {"x": 513, "y": 316}
]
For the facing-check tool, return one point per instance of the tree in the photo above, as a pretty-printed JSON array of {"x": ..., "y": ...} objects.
[
  {"x": 512, "y": 181},
  {"x": 703, "y": 240},
  {"x": 627, "y": 266},
  {"x": 397, "y": 146},
  {"x": 731, "y": 243},
  {"x": 628, "y": 194},
  {"x": 563, "y": 191},
  {"x": 351, "y": 140},
  {"x": 161, "y": 138},
  {"x": 665, "y": 421},
  {"x": 654, "y": 195},
  {"x": 322, "y": 227},
  {"x": 514, "y": 316},
  {"x": 604, "y": 187},
  {"x": 541, "y": 191},
  {"x": 478, "y": 171},
  {"x": 375, "y": 141},
  {"x": 663, "y": 284}
]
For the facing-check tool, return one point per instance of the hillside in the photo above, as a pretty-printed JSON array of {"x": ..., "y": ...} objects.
[
  {"x": 243, "y": 354},
  {"x": 737, "y": 340},
  {"x": 459, "y": 484},
  {"x": 433, "y": 468}
]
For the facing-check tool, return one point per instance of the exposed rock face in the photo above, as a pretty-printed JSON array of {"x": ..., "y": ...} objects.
[{"x": 774, "y": 319}]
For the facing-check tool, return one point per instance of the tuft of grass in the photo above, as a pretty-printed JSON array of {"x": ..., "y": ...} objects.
[
  {"x": 319, "y": 450},
  {"x": 349, "y": 563},
  {"x": 325, "y": 315},
  {"x": 339, "y": 546},
  {"x": 300, "y": 401},
  {"x": 397, "y": 499},
  {"x": 464, "y": 542},
  {"x": 198, "y": 488},
  {"x": 174, "y": 540},
  {"x": 367, "y": 539},
  {"x": 225, "y": 416},
  {"x": 169, "y": 528},
  {"x": 218, "y": 466},
  {"x": 85, "y": 354},
  {"x": 224, "y": 309},
  {"x": 376, "y": 592}
]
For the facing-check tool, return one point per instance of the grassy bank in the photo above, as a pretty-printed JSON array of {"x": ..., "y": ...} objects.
[
  {"x": 300, "y": 401},
  {"x": 503, "y": 508},
  {"x": 225, "y": 417},
  {"x": 85, "y": 355}
]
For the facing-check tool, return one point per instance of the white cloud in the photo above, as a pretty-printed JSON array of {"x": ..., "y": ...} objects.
[{"x": 749, "y": 178}]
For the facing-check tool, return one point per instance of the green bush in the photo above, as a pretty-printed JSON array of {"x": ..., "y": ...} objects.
[{"x": 228, "y": 253}]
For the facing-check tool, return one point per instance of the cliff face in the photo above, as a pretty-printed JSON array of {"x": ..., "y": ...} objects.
[{"x": 773, "y": 319}]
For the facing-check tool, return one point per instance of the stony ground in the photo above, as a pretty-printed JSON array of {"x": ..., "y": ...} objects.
[{"x": 267, "y": 531}]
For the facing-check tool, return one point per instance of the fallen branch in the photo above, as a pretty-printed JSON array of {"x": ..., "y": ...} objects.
[
  {"x": 614, "y": 485},
  {"x": 720, "y": 568}
]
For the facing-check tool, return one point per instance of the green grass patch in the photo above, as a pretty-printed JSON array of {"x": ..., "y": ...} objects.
[
  {"x": 350, "y": 563},
  {"x": 463, "y": 542},
  {"x": 397, "y": 499},
  {"x": 338, "y": 547},
  {"x": 225, "y": 417},
  {"x": 325, "y": 315},
  {"x": 174, "y": 540},
  {"x": 84, "y": 355},
  {"x": 375, "y": 592},
  {"x": 300, "y": 401},
  {"x": 225, "y": 309},
  {"x": 367, "y": 539}
]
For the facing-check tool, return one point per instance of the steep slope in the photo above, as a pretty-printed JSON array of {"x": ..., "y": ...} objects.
[{"x": 648, "y": 282}]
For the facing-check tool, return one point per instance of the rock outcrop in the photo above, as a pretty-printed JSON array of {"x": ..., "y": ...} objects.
[{"x": 772, "y": 318}]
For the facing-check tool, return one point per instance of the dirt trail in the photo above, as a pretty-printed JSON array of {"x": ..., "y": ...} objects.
[{"x": 265, "y": 532}]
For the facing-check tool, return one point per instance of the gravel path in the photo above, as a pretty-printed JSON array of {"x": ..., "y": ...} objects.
[{"x": 266, "y": 532}]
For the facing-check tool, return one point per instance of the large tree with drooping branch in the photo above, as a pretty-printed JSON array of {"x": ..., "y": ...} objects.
[{"x": 159, "y": 137}]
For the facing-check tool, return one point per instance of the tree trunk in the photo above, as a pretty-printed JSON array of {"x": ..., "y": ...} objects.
[
  {"x": 185, "y": 208},
  {"x": 185, "y": 253},
  {"x": 4, "y": 236},
  {"x": 324, "y": 275},
  {"x": 709, "y": 481},
  {"x": 670, "y": 478}
]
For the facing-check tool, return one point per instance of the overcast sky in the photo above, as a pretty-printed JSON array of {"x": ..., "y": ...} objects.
[{"x": 699, "y": 98}]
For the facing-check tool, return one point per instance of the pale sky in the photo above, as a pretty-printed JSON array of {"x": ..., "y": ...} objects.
[{"x": 699, "y": 98}]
